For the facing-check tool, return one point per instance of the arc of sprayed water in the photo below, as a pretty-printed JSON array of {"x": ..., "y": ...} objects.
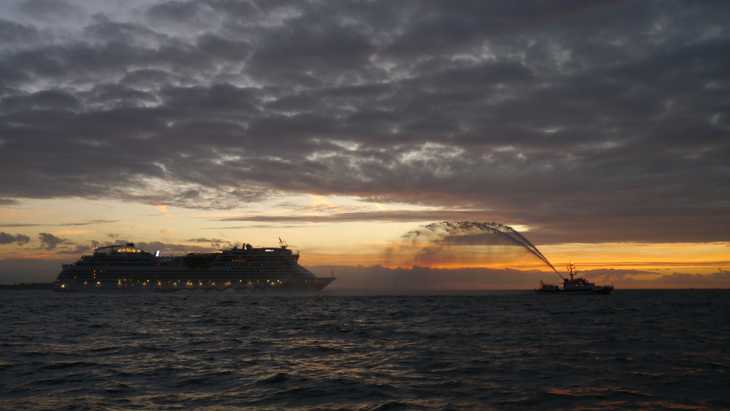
[
  {"x": 534, "y": 250},
  {"x": 519, "y": 239},
  {"x": 533, "y": 247},
  {"x": 495, "y": 228},
  {"x": 518, "y": 242},
  {"x": 510, "y": 232}
]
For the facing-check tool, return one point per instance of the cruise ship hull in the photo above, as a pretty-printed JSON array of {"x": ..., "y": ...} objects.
[
  {"x": 265, "y": 287},
  {"x": 124, "y": 268}
]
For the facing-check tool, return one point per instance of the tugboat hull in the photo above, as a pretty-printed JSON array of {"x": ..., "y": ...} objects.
[
  {"x": 574, "y": 285},
  {"x": 597, "y": 290}
]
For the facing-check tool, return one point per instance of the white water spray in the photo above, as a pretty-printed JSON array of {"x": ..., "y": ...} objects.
[{"x": 472, "y": 227}]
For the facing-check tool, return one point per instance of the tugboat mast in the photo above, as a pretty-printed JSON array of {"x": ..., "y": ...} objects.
[{"x": 571, "y": 271}]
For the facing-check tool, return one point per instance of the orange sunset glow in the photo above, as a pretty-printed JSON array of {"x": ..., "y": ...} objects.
[{"x": 339, "y": 235}]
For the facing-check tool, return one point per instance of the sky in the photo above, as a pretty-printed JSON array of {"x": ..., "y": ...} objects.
[{"x": 599, "y": 129}]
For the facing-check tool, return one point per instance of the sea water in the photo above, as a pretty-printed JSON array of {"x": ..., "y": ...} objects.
[{"x": 503, "y": 350}]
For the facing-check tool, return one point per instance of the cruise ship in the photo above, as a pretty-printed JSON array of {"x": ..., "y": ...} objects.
[{"x": 127, "y": 268}]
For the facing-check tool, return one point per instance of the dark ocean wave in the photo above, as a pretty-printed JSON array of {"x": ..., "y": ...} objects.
[{"x": 210, "y": 351}]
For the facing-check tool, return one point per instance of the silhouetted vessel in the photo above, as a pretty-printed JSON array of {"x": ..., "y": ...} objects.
[
  {"x": 127, "y": 268},
  {"x": 575, "y": 285}
]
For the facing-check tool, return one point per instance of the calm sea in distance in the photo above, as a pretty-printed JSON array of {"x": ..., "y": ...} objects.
[{"x": 502, "y": 350}]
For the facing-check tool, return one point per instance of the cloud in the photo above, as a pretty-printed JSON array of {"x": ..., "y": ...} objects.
[
  {"x": 50, "y": 242},
  {"x": 90, "y": 222},
  {"x": 78, "y": 249},
  {"x": 392, "y": 215},
  {"x": 48, "y": 9},
  {"x": 19, "y": 239},
  {"x": 17, "y": 270},
  {"x": 16, "y": 33},
  {"x": 204, "y": 240},
  {"x": 249, "y": 226},
  {"x": 381, "y": 279},
  {"x": 421, "y": 279},
  {"x": 174, "y": 248},
  {"x": 524, "y": 110},
  {"x": 65, "y": 247},
  {"x": 216, "y": 243},
  {"x": 650, "y": 279},
  {"x": 71, "y": 224}
]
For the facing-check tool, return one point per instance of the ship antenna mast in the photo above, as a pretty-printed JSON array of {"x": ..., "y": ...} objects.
[{"x": 571, "y": 270}]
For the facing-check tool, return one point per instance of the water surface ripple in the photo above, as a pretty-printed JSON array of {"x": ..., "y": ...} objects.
[{"x": 224, "y": 351}]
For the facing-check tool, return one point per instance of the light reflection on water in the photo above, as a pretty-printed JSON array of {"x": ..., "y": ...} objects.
[{"x": 637, "y": 349}]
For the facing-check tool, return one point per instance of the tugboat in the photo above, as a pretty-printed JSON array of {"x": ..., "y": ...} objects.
[{"x": 575, "y": 285}]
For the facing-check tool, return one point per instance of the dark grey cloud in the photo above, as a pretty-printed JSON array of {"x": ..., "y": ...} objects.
[
  {"x": 19, "y": 239},
  {"x": 421, "y": 279},
  {"x": 50, "y": 241},
  {"x": 178, "y": 12},
  {"x": 42, "y": 100},
  {"x": 28, "y": 270},
  {"x": 12, "y": 32},
  {"x": 589, "y": 121},
  {"x": 49, "y": 9},
  {"x": 633, "y": 279}
]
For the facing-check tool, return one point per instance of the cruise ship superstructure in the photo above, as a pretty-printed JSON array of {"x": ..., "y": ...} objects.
[{"x": 128, "y": 268}]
